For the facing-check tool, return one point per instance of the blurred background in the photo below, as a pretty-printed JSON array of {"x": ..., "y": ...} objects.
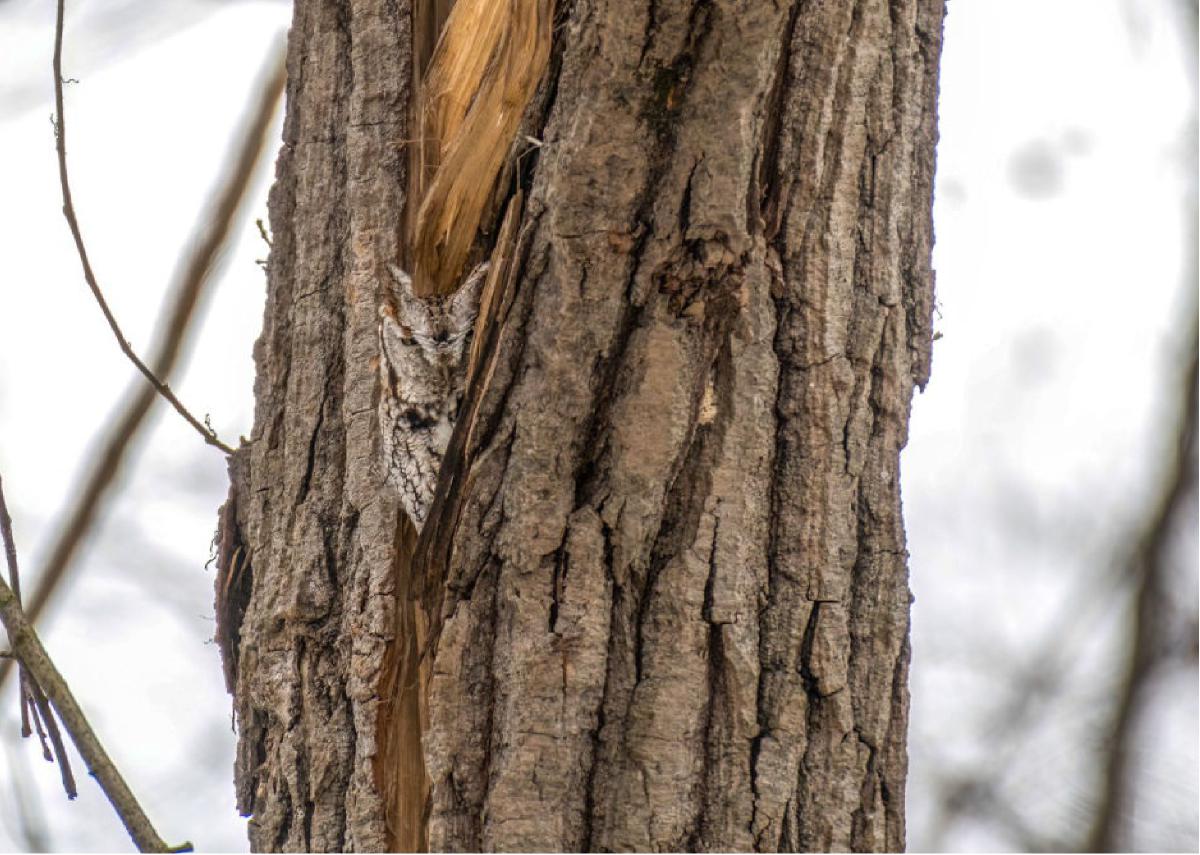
[{"x": 1049, "y": 480}]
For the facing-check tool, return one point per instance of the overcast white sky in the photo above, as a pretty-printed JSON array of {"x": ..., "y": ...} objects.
[{"x": 1061, "y": 184}]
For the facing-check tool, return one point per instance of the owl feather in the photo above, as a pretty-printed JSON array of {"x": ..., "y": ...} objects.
[{"x": 424, "y": 343}]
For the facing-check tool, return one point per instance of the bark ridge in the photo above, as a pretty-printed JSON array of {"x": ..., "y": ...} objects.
[{"x": 670, "y": 578}]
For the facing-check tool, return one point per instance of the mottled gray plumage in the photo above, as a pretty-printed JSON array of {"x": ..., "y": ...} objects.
[{"x": 424, "y": 344}]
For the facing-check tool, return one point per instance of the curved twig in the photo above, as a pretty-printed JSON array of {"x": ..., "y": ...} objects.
[
  {"x": 60, "y": 144},
  {"x": 210, "y": 234}
]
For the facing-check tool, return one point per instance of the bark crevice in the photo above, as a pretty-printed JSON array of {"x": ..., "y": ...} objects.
[{"x": 662, "y": 592}]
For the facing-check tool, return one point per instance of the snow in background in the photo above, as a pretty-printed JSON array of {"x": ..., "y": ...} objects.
[{"x": 1060, "y": 244}]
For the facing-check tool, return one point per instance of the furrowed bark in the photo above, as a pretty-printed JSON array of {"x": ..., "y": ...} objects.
[
  {"x": 675, "y": 609},
  {"x": 316, "y": 526},
  {"x": 666, "y": 570}
]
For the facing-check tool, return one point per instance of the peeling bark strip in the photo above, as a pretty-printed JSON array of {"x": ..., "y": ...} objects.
[{"x": 671, "y": 577}]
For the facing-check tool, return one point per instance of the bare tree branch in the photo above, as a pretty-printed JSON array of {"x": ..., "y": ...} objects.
[
  {"x": 1149, "y": 567},
  {"x": 28, "y": 650},
  {"x": 34, "y": 706},
  {"x": 60, "y": 136},
  {"x": 24, "y": 692},
  {"x": 209, "y": 236},
  {"x": 1149, "y": 564},
  {"x": 42, "y": 705}
]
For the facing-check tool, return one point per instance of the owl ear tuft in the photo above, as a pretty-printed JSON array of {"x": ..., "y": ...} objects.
[
  {"x": 411, "y": 311},
  {"x": 402, "y": 279},
  {"x": 465, "y": 302}
]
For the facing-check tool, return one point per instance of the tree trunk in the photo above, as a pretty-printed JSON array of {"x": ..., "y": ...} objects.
[{"x": 665, "y": 573}]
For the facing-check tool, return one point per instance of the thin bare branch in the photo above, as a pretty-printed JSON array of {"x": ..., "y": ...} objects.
[
  {"x": 1148, "y": 567},
  {"x": 24, "y": 692},
  {"x": 1149, "y": 564},
  {"x": 28, "y": 649},
  {"x": 34, "y": 706},
  {"x": 36, "y": 718},
  {"x": 42, "y": 705},
  {"x": 60, "y": 137},
  {"x": 209, "y": 236},
  {"x": 10, "y": 548}
]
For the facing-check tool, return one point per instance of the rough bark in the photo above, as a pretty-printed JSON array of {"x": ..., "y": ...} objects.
[
  {"x": 315, "y": 525},
  {"x": 671, "y": 578}
]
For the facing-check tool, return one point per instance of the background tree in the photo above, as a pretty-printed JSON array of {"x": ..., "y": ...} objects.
[{"x": 670, "y": 571}]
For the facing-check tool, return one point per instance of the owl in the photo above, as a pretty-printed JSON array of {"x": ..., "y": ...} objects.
[{"x": 424, "y": 344}]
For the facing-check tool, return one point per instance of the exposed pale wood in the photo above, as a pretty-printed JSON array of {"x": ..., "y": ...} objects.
[
  {"x": 488, "y": 62},
  {"x": 400, "y": 763},
  {"x": 666, "y": 566}
]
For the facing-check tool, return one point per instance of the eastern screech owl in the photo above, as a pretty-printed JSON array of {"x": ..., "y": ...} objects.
[{"x": 424, "y": 344}]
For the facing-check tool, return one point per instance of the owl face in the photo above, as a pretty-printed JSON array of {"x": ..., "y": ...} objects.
[{"x": 436, "y": 330}]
